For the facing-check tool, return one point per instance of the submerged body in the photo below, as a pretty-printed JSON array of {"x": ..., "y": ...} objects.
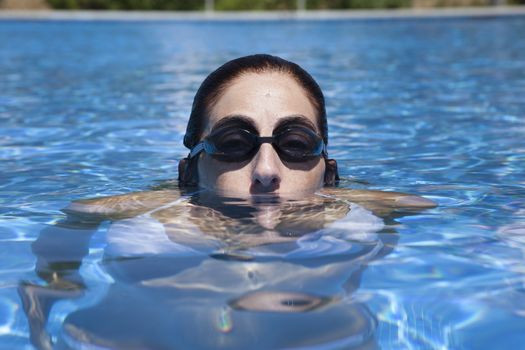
[
  {"x": 228, "y": 268},
  {"x": 234, "y": 257}
]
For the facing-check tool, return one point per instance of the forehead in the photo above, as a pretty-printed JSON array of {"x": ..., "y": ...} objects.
[{"x": 265, "y": 99}]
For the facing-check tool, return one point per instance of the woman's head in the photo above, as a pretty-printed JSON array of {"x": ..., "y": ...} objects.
[{"x": 263, "y": 96}]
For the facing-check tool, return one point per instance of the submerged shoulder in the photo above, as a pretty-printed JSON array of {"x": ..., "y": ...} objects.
[
  {"x": 121, "y": 206},
  {"x": 386, "y": 199}
]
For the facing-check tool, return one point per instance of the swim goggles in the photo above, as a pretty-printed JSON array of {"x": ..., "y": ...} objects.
[{"x": 235, "y": 144}]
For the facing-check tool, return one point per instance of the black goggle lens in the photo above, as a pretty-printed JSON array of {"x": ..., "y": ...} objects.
[
  {"x": 299, "y": 143},
  {"x": 231, "y": 144}
]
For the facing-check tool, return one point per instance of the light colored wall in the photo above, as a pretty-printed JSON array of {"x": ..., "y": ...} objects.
[{"x": 23, "y": 4}]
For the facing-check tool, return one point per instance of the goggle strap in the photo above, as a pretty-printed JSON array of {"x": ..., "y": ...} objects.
[{"x": 196, "y": 150}]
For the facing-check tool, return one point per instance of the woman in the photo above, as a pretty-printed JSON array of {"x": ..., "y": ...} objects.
[
  {"x": 258, "y": 140},
  {"x": 257, "y": 126}
]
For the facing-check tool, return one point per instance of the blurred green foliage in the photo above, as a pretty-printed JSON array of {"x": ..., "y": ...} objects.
[
  {"x": 222, "y": 5},
  {"x": 178, "y": 5},
  {"x": 345, "y": 4},
  {"x": 233, "y": 5}
]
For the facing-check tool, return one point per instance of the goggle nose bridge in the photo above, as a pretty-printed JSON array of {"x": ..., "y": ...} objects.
[{"x": 265, "y": 139}]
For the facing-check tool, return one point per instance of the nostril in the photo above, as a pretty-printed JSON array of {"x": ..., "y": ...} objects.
[{"x": 265, "y": 184}]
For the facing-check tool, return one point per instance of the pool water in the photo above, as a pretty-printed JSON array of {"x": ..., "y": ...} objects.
[{"x": 432, "y": 107}]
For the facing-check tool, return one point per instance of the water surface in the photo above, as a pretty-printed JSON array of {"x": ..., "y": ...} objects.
[{"x": 431, "y": 107}]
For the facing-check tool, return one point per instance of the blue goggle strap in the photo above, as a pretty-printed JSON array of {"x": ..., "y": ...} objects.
[{"x": 196, "y": 150}]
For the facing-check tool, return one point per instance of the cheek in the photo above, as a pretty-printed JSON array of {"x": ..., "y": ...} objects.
[
  {"x": 311, "y": 179},
  {"x": 214, "y": 174},
  {"x": 233, "y": 179}
]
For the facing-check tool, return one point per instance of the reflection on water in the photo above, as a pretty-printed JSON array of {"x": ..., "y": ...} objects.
[
  {"x": 205, "y": 271},
  {"x": 440, "y": 117}
]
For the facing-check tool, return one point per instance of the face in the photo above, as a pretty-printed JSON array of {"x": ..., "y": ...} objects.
[{"x": 262, "y": 103}]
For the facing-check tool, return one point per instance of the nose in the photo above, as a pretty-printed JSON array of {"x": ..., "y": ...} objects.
[{"x": 266, "y": 175}]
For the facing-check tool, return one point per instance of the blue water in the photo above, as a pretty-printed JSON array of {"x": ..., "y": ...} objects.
[{"x": 430, "y": 107}]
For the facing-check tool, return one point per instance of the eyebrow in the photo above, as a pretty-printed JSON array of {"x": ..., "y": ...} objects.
[
  {"x": 295, "y": 119},
  {"x": 236, "y": 119},
  {"x": 249, "y": 123}
]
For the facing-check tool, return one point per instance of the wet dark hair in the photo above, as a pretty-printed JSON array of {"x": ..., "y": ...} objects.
[{"x": 214, "y": 85}]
